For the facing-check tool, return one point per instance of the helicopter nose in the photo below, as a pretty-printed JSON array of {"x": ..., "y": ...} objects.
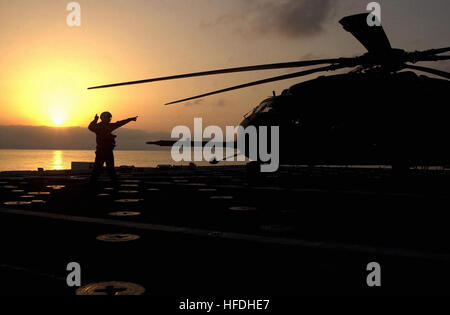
[{"x": 246, "y": 122}]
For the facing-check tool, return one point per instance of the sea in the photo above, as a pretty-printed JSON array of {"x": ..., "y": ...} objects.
[{"x": 29, "y": 160}]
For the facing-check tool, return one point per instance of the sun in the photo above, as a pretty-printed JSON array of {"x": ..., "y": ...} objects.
[
  {"x": 57, "y": 103},
  {"x": 57, "y": 119},
  {"x": 58, "y": 116}
]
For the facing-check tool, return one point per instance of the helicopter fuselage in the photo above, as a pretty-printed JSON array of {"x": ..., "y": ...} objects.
[{"x": 370, "y": 118}]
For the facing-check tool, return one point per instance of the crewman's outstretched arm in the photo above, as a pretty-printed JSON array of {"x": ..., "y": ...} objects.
[
  {"x": 93, "y": 124},
  {"x": 123, "y": 122}
]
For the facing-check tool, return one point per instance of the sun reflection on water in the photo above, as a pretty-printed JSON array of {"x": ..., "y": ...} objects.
[{"x": 57, "y": 160}]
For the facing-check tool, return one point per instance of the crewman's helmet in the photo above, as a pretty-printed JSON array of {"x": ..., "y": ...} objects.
[{"x": 106, "y": 116}]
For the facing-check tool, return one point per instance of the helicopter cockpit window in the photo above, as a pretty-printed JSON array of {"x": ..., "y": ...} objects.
[
  {"x": 266, "y": 109},
  {"x": 258, "y": 109},
  {"x": 263, "y": 107}
]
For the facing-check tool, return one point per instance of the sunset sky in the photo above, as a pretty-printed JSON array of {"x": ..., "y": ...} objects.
[{"x": 46, "y": 66}]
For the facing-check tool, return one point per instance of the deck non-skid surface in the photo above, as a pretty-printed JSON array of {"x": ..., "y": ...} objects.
[{"x": 219, "y": 231}]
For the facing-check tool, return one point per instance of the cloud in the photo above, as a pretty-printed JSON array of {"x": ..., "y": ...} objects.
[
  {"x": 219, "y": 103},
  {"x": 194, "y": 103},
  {"x": 285, "y": 18},
  {"x": 292, "y": 18}
]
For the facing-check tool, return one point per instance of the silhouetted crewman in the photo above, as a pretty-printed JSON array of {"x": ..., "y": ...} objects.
[{"x": 105, "y": 144}]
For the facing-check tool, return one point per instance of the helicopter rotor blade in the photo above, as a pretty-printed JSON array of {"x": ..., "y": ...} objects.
[
  {"x": 427, "y": 55},
  {"x": 434, "y": 51},
  {"x": 273, "y": 66},
  {"x": 429, "y": 70},
  {"x": 373, "y": 38},
  {"x": 273, "y": 79},
  {"x": 434, "y": 58}
]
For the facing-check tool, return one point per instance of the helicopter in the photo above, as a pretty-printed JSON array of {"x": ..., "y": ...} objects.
[{"x": 375, "y": 114}]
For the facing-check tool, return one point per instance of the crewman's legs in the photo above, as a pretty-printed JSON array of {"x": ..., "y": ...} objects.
[
  {"x": 109, "y": 159},
  {"x": 98, "y": 167}
]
